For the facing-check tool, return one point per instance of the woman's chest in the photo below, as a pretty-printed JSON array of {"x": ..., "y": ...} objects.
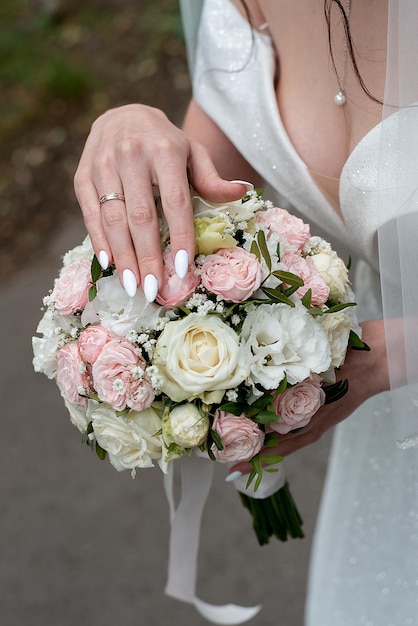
[{"x": 314, "y": 63}]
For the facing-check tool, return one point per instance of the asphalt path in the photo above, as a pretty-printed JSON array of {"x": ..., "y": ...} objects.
[{"x": 82, "y": 544}]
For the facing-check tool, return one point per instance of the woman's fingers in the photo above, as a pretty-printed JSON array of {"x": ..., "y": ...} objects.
[{"x": 129, "y": 151}]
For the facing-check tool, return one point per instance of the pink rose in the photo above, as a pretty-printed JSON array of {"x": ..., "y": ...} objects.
[
  {"x": 91, "y": 342},
  {"x": 72, "y": 375},
  {"x": 241, "y": 437},
  {"x": 174, "y": 290},
  {"x": 306, "y": 270},
  {"x": 232, "y": 273},
  {"x": 296, "y": 405},
  {"x": 289, "y": 226},
  {"x": 71, "y": 289},
  {"x": 119, "y": 377}
]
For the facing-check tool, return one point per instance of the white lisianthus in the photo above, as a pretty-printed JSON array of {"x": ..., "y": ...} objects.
[
  {"x": 131, "y": 441},
  {"x": 337, "y": 329},
  {"x": 186, "y": 426},
  {"x": 45, "y": 348},
  {"x": 199, "y": 357},
  {"x": 237, "y": 210},
  {"x": 116, "y": 311},
  {"x": 284, "y": 341},
  {"x": 334, "y": 271},
  {"x": 83, "y": 252}
]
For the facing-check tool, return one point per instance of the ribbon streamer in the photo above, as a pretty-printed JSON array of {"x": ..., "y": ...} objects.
[{"x": 196, "y": 480}]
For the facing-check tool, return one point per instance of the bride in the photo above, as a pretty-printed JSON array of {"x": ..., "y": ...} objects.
[{"x": 315, "y": 101}]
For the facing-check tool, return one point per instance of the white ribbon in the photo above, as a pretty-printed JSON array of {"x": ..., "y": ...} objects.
[{"x": 196, "y": 479}]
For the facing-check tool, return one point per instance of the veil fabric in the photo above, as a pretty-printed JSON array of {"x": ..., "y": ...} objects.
[{"x": 397, "y": 237}]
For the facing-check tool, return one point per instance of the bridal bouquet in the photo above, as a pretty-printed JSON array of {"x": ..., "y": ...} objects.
[{"x": 240, "y": 351}]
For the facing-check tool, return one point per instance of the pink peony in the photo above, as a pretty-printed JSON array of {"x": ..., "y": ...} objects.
[
  {"x": 176, "y": 291},
  {"x": 70, "y": 293},
  {"x": 292, "y": 228},
  {"x": 91, "y": 342},
  {"x": 296, "y": 405},
  {"x": 241, "y": 437},
  {"x": 306, "y": 270},
  {"x": 119, "y": 379},
  {"x": 232, "y": 273},
  {"x": 72, "y": 377}
]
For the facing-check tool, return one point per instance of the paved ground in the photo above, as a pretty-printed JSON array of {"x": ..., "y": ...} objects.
[{"x": 82, "y": 544}]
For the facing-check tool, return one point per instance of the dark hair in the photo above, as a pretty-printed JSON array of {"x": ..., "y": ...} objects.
[{"x": 350, "y": 47}]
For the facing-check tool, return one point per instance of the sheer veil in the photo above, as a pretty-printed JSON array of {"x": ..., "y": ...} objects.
[{"x": 397, "y": 237}]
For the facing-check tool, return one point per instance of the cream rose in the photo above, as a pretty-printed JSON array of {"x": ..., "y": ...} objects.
[
  {"x": 186, "y": 426},
  {"x": 333, "y": 270},
  {"x": 132, "y": 440},
  {"x": 212, "y": 234},
  {"x": 198, "y": 355},
  {"x": 337, "y": 329}
]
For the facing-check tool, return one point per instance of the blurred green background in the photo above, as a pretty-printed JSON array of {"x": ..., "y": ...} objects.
[{"x": 62, "y": 63}]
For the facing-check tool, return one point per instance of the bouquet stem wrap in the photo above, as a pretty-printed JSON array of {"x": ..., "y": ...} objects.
[{"x": 196, "y": 480}]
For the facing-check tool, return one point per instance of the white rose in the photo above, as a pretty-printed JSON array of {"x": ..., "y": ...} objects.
[
  {"x": 333, "y": 271},
  {"x": 132, "y": 440},
  {"x": 79, "y": 415},
  {"x": 284, "y": 341},
  {"x": 186, "y": 426},
  {"x": 198, "y": 355},
  {"x": 337, "y": 329},
  {"x": 116, "y": 311},
  {"x": 82, "y": 252}
]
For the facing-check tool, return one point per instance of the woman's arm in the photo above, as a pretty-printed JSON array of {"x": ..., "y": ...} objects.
[{"x": 132, "y": 149}]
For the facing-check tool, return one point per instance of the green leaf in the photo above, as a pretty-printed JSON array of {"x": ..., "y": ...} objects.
[
  {"x": 271, "y": 440},
  {"x": 348, "y": 265},
  {"x": 232, "y": 407},
  {"x": 100, "y": 452},
  {"x": 339, "y": 307},
  {"x": 217, "y": 440},
  {"x": 271, "y": 459},
  {"x": 336, "y": 391},
  {"x": 262, "y": 402},
  {"x": 96, "y": 270},
  {"x": 266, "y": 417},
  {"x": 293, "y": 280},
  {"x": 278, "y": 251},
  {"x": 276, "y": 296},
  {"x": 255, "y": 249},
  {"x": 356, "y": 343},
  {"x": 282, "y": 387},
  {"x": 307, "y": 298},
  {"x": 261, "y": 239},
  {"x": 92, "y": 293}
]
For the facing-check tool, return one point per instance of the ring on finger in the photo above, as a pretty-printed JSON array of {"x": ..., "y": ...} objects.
[{"x": 111, "y": 196}]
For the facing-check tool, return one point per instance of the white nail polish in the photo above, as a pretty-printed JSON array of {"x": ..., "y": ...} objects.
[
  {"x": 129, "y": 282},
  {"x": 249, "y": 186},
  {"x": 181, "y": 263},
  {"x": 103, "y": 259},
  {"x": 150, "y": 287},
  {"x": 233, "y": 476}
]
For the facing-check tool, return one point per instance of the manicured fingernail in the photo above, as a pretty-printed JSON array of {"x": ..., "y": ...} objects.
[
  {"x": 249, "y": 186},
  {"x": 129, "y": 282},
  {"x": 233, "y": 476},
  {"x": 150, "y": 287},
  {"x": 104, "y": 259},
  {"x": 181, "y": 263}
]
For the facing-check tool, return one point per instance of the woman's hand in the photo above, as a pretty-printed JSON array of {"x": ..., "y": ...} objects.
[
  {"x": 129, "y": 151},
  {"x": 367, "y": 375}
]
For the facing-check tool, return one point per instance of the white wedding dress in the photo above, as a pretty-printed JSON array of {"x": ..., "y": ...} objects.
[{"x": 364, "y": 568}]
